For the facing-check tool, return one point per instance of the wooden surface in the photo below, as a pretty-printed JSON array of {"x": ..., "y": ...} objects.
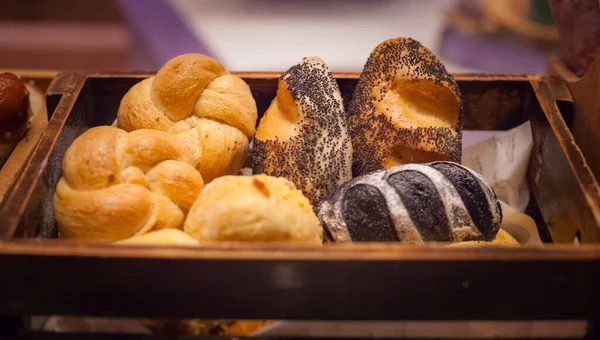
[{"x": 339, "y": 281}]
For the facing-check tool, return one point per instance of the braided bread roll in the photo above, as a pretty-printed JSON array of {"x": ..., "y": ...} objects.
[
  {"x": 406, "y": 108},
  {"x": 193, "y": 94},
  {"x": 117, "y": 184},
  {"x": 414, "y": 203},
  {"x": 303, "y": 134}
]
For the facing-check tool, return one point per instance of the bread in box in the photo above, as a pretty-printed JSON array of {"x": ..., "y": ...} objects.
[{"x": 144, "y": 182}]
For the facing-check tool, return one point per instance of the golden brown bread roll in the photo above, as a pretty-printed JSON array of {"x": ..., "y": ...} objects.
[
  {"x": 253, "y": 208},
  {"x": 406, "y": 108},
  {"x": 117, "y": 184},
  {"x": 193, "y": 94},
  {"x": 303, "y": 134},
  {"x": 15, "y": 112}
]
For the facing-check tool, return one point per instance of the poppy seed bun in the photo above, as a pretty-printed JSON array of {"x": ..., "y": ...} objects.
[
  {"x": 303, "y": 135},
  {"x": 406, "y": 108}
]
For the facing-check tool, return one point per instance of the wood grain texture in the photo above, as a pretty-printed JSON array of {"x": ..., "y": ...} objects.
[{"x": 301, "y": 283}]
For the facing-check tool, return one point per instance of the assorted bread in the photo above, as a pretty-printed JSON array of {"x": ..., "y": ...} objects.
[
  {"x": 303, "y": 135},
  {"x": 190, "y": 125},
  {"x": 406, "y": 108}
]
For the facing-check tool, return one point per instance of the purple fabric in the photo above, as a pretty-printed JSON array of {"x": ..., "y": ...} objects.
[
  {"x": 158, "y": 33},
  {"x": 491, "y": 55}
]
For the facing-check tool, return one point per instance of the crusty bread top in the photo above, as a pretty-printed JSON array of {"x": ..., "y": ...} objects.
[{"x": 303, "y": 135}]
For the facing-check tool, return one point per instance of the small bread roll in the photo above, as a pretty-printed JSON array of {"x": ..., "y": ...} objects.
[
  {"x": 406, "y": 108},
  {"x": 253, "y": 208},
  {"x": 194, "y": 95},
  {"x": 165, "y": 237},
  {"x": 303, "y": 135},
  {"x": 117, "y": 184},
  {"x": 413, "y": 204},
  {"x": 15, "y": 112}
]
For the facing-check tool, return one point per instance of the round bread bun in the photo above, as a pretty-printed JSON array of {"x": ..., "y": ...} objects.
[
  {"x": 193, "y": 94},
  {"x": 303, "y": 135},
  {"x": 253, "y": 208},
  {"x": 406, "y": 108}
]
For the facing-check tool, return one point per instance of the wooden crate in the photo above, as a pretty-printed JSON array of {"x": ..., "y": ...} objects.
[{"x": 338, "y": 281}]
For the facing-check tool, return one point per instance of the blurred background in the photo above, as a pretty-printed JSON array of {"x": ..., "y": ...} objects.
[{"x": 490, "y": 36}]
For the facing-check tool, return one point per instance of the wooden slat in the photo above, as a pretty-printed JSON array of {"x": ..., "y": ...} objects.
[{"x": 419, "y": 284}]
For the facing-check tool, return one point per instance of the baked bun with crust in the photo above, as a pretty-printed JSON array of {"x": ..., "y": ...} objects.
[
  {"x": 303, "y": 135},
  {"x": 256, "y": 208},
  {"x": 117, "y": 184},
  {"x": 406, "y": 108},
  {"x": 15, "y": 112},
  {"x": 195, "y": 95}
]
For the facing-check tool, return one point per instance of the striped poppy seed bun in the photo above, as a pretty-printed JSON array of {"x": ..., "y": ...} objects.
[
  {"x": 303, "y": 134},
  {"x": 412, "y": 204},
  {"x": 406, "y": 108}
]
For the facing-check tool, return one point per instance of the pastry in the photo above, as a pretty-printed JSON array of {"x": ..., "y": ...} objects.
[
  {"x": 117, "y": 184},
  {"x": 406, "y": 108},
  {"x": 194, "y": 95},
  {"x": 253, "y": 208},
  {"x": 303, "y": 135},
  {"x": 15, "y": 112},
  {"x": 412, "y": 204}
]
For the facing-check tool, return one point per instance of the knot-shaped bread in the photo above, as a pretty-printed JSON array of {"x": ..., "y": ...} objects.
[
  {"x": 117, "y": 184},
  {"x": 195, "y": 95}
]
